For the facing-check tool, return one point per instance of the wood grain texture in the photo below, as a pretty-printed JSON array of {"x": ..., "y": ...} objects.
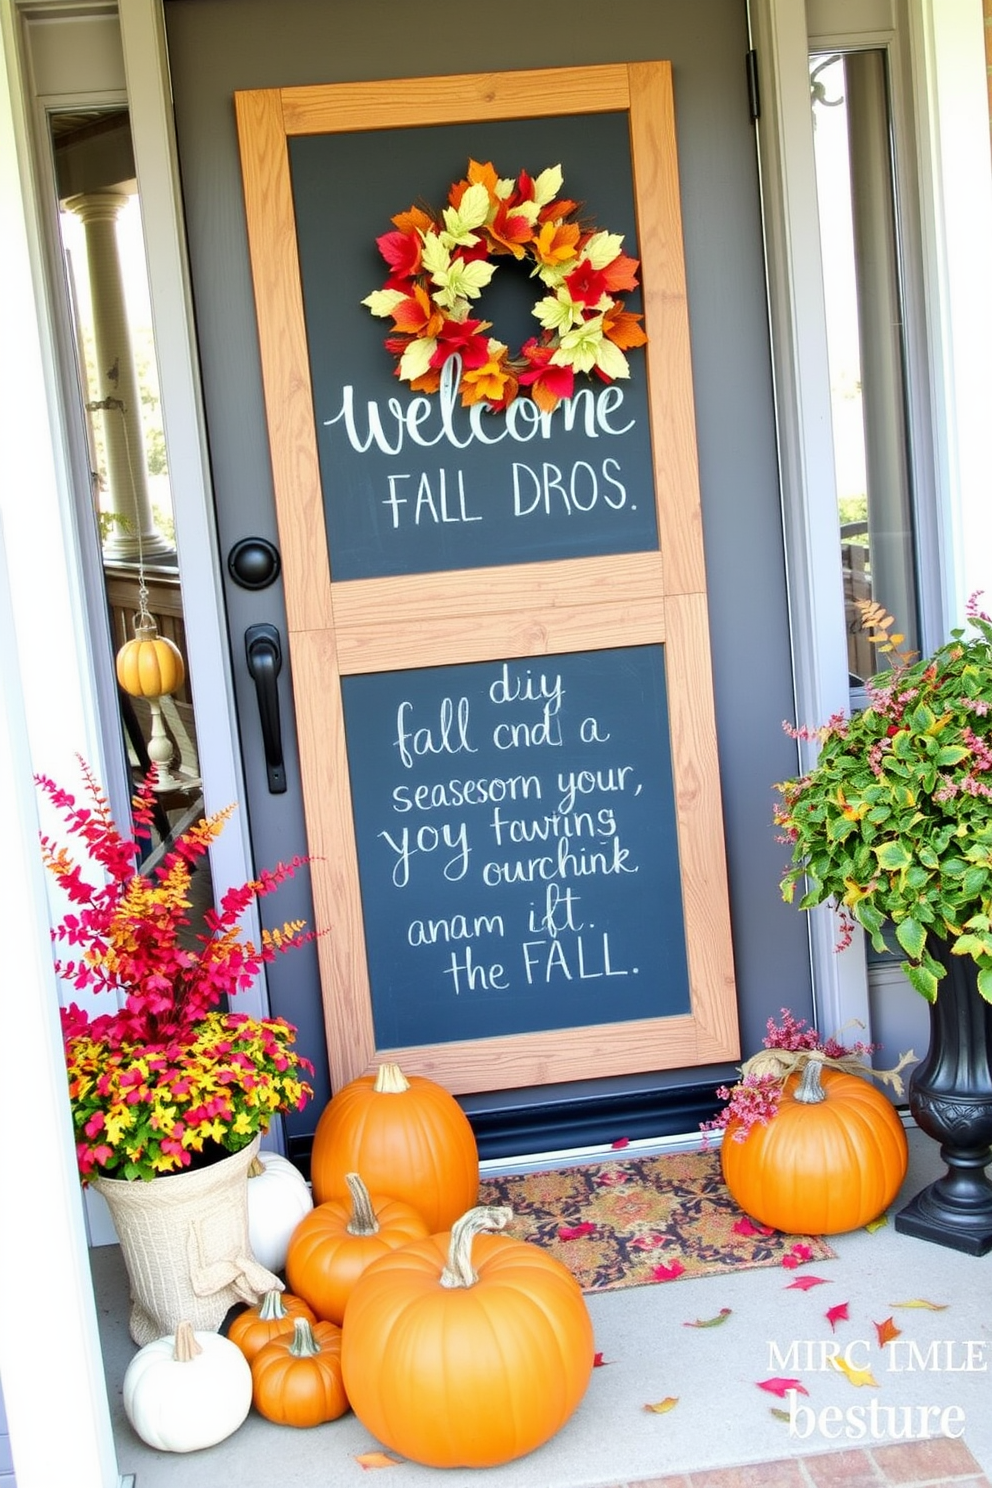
[
  {"x": 485, "y": 614},
  {"x": 396, "y": 104}
]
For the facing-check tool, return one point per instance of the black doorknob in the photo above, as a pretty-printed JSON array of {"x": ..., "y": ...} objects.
[{"x": 254, "y": 563}]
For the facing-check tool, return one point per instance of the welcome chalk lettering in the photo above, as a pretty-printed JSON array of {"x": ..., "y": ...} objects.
[{"x": 517, "y": 845}]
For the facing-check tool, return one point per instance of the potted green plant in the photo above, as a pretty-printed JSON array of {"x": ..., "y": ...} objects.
[
  {"x": 171, "y": 1089},
  {"x": 893, "y": 826}
]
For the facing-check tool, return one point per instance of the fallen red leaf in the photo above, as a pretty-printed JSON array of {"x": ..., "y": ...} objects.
[
  {"x": 835, "y": 1315},
  {"x": 797, "y": 1255},
  {"x": 576, "y": 1232},
  {"x": 747, "y": 1227},
  {"x": 667, "y": 1273},
  {"x": 598, "y": 1362},
  {"x": 620, "y": 1142},
  {"x": 886, "y": 1331},
  {"x": 803, "y": 1283},
  {"x": 778, "y": 1386}
]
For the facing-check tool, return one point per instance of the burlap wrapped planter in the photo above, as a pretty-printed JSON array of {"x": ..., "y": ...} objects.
[{"x": 184, "y": 1238}]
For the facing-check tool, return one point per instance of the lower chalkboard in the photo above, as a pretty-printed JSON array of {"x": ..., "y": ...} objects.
[{"x": 517, "y": 845}]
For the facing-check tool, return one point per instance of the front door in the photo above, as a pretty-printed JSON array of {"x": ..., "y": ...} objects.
[{"x": 736, "y": 525}]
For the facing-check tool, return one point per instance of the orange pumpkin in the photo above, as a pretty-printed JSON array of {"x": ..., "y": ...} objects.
[
  {"x": 150, "y": 665},
  {"x": 407, "y": 1136},
  {"x": 333, "y": 1244},
  {"x": 296, "y": 1381},
  {"x": 831, "y": 1159},
  {"x": 252, "y": 1329},
  {"x": 466, "y": 1349}
]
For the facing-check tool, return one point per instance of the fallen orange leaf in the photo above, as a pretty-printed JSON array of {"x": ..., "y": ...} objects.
[
  {"x": 377, "y": 1459},
  {"x": 662, "y": 1407},
  {"x": 886, "y": 1331}
]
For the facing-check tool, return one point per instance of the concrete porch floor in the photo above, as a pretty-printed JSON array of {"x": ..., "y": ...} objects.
[{"x": 724, "y": 1432}]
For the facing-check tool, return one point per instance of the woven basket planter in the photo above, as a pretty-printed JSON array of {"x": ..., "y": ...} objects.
[{"x": 184, "y": 1238}]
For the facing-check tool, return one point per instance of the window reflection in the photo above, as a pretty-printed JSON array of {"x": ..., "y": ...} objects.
[{"x": 852, "y": 144}]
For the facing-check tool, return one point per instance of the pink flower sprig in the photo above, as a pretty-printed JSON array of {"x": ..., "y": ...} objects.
[{"x": 754, "y": 1100}]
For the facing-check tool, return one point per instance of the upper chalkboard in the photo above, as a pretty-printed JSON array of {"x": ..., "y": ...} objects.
[{"x": 413, "y": 484}]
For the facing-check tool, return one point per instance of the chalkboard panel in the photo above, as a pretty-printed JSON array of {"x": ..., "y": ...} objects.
[
  {"x": 413, "y": 484},
  {"x": 517, "y": 847}
]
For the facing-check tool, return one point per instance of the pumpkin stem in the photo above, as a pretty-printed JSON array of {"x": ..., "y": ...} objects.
[
  {"x": 390, "y": 1080},
  {"x": 272, "y": 1307},
  {"x": 363, "y": 1220},
  {"x": 304, "y": 1344},
  {"x": 257, "y": 1168},
  {"x": 185, "y": 1347},
  {"x": 810, "y": 1091},
  {"x": 459, "y": 1271}
]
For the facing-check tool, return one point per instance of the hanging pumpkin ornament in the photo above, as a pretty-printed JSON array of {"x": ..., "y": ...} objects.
[
  {"x": 407, "y": 1136},
  {"x": 150, "y": 665},
  {"x": 831, "y": 1159}
]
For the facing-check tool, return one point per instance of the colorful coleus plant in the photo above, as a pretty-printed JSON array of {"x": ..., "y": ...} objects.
[
  {"x": 893, "y": 822},
  {"x": 440, "y": 263},
  {"x": 168, "y": 1071}
]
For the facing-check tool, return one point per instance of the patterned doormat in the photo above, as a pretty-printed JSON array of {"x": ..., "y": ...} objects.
[{"x": 636, "y": 1221}]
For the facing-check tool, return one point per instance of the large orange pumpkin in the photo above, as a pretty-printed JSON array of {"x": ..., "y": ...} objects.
[
  {"x": 466, "y": 1349},
  {"x": 831, "y": 1159},
  {"x": 333, "y": 1244},
  {"x": 407, "y": 1136}
]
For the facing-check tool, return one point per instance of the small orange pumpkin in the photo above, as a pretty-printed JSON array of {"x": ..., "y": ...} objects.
[
  {"x": 296, "y": 1381},
  {"x": 333, "y": 1244},
  {"x": 468, "y": 1349},
  {"x": 150, "y": 665},
  {"x": 831, "y": 1159},
  {"x": 252, "y": 1329},
  {"x": 407, "y": 1136}
]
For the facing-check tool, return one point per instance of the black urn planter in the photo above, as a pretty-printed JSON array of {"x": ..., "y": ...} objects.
[{"x": 950, "y": 1098}]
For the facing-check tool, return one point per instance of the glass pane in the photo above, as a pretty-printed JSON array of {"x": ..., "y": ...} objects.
[
  {"x": 865, "y": 343},
  {"x": 130, "y": 496}
]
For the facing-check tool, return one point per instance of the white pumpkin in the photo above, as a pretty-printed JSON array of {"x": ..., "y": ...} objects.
[
  {"x": 187, "y": 1390},
  {"x": 278, "y": 1198}
]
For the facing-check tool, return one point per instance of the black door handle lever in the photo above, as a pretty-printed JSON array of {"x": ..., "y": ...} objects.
[{"x": 264, "y": 653}]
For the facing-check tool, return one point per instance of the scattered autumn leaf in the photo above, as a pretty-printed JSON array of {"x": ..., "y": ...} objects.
[
  {"x": 855, "y": 1375},
  {"x": 886, "y": 1331},
  {"x": 778, "y": 1386},
  {"x": 877, "y": 1224},
  {"x": 797, "y": 1255},
  {"x": 803, "y": 1283},
  {"x": 713, "y": 1322},
  {"x": 922, "y": 1302},
  {"x": 745, "y": 1226},
  {"x": 576, "y": 1232},
  {"x": 620, "y": 1142},
  {"x": 835, "y": 1315},
  {"x": 779, "y": 1413},
  {"x": 662, "y": 1407},
  {"x": 598, "y": 1362},
  {"x": 377, "y": 1459},
  {"x": 667, "y": 1273}
]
